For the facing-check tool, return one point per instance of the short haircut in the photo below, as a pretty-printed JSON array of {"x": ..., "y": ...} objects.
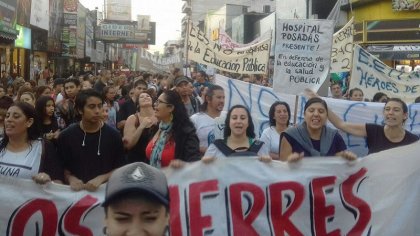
[
  {"x": 403, "y": 104},
  {"x": 83, "y": 96},
  {"x": 140, "y": 82},
  {"x": 72, "y": 80},
  {"x": 316, "y": 100}
]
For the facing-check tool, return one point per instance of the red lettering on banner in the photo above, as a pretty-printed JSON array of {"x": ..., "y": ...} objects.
[
  {"x": 280, "y": 221},
  {"x": 359, "y": 208},
  {"x": 242, "y": 223},
  {"x": 198, "y": 223},
  {"x": 24, "y": 213},
  {"x": 73, "y": 216},
  {"x": 319, "y": 211},
  {"x": 175, "y": 216}
]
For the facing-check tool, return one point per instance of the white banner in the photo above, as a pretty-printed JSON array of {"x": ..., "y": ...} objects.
[
  {"x": 258, "y": 99},
  {"x": 248, "y": 60},
  {"x": 377, "y": 195},
  {"x": 148, "y": 61},
  {"x": 227, "y": 42},
  {"x": 372, "y": 76},
  {"x": 342, "y": 49},
  {"x": 303, "y": 52},
  {"x": 27, "y": 208}
]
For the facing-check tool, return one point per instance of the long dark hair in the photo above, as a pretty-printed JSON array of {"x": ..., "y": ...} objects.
[
  {"x": 33, "y": 131},
  {"x": 40, "y": 106},
  {"x": 180, "y": 115},
  {"x": 249, "y": 131},
  {"x": 209, "y": 94},
  {"x": 273, "y": 110}
]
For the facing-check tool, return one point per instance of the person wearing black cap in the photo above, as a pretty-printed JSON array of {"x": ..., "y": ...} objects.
[
  {"x": 191, "y": 103},
  {"x": 136, "y": 201}
]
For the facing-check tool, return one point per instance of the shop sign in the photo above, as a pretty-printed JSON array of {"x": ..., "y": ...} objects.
[{"x": 24, "y": 37}]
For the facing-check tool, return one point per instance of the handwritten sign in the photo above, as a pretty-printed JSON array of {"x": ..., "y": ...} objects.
[
  {"x": 227, "y": 42},
  {"x": 372, "y": 76},
  {"x": 247, "y": 60},
  {"x": 342, "y": 49},
  {"x": 303, "y": 51}
]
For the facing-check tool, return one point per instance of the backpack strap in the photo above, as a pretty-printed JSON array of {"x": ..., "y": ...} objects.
[
  {"x": 42, "y": 161},
  {"x": 220, "y": 144},
  {"x": 256, "y": 146}
]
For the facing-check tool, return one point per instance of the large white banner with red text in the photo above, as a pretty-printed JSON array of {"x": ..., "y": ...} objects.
[{"x": 377, "y": 195}]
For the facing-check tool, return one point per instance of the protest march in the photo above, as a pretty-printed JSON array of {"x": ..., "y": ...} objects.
[{"x": 297, "y": 130}]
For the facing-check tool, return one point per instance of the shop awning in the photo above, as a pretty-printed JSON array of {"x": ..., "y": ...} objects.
[
  {"x": 8, "y": 36},
  {"x": 395, "y": 52},
  {"x": 8, "y": 32}
]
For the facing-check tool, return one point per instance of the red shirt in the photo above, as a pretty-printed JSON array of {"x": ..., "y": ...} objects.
[{"x": 168, "y": 153}]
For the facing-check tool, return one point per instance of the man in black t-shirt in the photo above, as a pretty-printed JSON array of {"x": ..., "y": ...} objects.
[{"x": 90, "y": 149}]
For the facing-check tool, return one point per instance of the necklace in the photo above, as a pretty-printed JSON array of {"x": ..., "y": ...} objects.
[{"x": 100, "y": 135}]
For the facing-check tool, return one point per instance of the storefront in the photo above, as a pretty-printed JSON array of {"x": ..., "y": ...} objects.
[
  {"x": 8, "y": 33},
  {"x": 395, "y": 42},
  {"x": 21, "y": 53}
]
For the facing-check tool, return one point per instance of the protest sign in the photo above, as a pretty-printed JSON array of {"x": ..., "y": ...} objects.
[
  {"x": 372, "y": 76},
  {"x": 342, "y": 49},
  {"x": 148, "y": 61},
  {"x": 227, "y": 42},
  {"x": 248, "y": 60},
  {"x": 303, "y": 52},
  {"x": 258, "y": 100},
  {"x": 377, "y": 195}
]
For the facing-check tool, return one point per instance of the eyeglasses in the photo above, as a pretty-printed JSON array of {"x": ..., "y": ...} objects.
[{"x": 157, "y": 102}]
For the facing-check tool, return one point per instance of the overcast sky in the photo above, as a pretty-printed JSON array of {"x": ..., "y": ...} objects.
[{"x": 166, "y": 13}]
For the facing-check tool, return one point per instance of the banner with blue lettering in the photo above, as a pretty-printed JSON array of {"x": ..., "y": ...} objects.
[
  {"x": 258, "y": 100},
  {"x": 303, "y": 53},
  {"x": 372, "y": 76}
]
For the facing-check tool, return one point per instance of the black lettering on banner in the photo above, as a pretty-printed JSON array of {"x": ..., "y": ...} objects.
[{"x": 211, "y": 57}]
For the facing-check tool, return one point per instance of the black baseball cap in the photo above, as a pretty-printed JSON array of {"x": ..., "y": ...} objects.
[
  {"x": 137, "y": 177},
  {"x": 181, "y": 79}
]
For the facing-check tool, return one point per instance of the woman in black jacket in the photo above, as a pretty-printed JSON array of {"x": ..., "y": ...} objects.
[{"x": 176, "y": 140}]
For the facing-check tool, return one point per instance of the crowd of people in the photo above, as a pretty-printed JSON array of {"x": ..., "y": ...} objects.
[{"x": 77, "y": 131}]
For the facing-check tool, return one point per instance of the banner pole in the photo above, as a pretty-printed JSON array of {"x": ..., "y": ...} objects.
[{"x": 295, "y": 111}]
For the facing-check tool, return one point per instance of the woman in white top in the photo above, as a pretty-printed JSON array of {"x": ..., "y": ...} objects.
[
  {"x": 279, "y": 116},
  {"x": 239, "y": 138},
  {"x": 22, "y": 153}
]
